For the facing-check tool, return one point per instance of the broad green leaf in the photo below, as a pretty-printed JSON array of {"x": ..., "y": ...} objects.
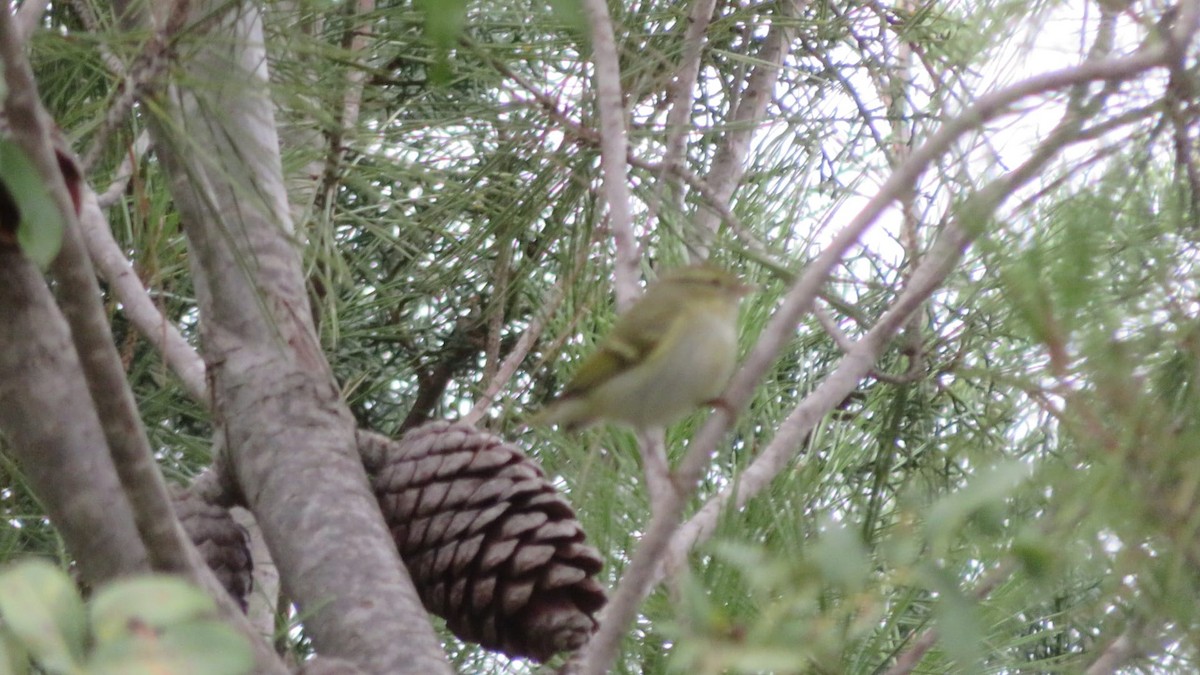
[
  {"x": 960, "y": 630},
  {"x": 842, "y": 558},
  {"x": 206, "y": 647},
  {"x": 759, "y": 571},
  {"x": 44, "y": 613},
  {"x": 41, "y": 226},
  {"x": 150, "y": 602},
  {"x": 765, "y": 659},
  {"x": 1038, "y": 557}
]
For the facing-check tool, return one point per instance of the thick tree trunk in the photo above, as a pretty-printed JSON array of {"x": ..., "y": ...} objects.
[{"x": 290, "y": 436}]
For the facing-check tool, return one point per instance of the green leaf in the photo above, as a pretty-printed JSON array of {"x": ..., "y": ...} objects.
[
  {"x": 44, "y": 613},
  {"x": 1073, "y": 274},
  {"x": 443, "y": 24},
  {"x": 983, "y": 496},
  {"x": 766, "y": 659},
  {"x": 842, "y": 558},
  {"x": 1040, "y": 559},
  {"x": 1029, "y": 295},
  {"x": 570, "y": 13},
  {"x": 207, "y": 647},
  {"x": 960, "y": 630},
  {"x": 41, "y": 226},
  {"x": 151, "y": 602},
  {"x": 760, "y": 572}
]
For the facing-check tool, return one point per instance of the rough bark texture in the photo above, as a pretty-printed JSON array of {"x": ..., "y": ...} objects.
[
  {"x": 47, "y": 416},
  {"x": 290, "y": 436}
]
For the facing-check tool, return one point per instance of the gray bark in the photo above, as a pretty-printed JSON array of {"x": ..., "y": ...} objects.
[
  {"x": 46, "y": 414},
  {"x": 289, "y": 434}
]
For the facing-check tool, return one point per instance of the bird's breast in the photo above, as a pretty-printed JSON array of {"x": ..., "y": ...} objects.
[{"x": 691, "y": 366}]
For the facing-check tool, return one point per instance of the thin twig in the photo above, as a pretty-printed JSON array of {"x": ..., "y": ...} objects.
[
  {"x": 657, "y": 469},
  {"x": 665, "y": 168},
  {"x": 679, "y": 112},
  {"x": 845, "y": 344},
  {"x": 613, "y": 149},
  {"x": 508, "y": 367},
  {"x": 648, "y": 564},
  {"x": 356, "y": 39},
  {"x": 729, "y": 164},
  {"x": 136, "y": 304},
  {"x": 142, "y": 76}
]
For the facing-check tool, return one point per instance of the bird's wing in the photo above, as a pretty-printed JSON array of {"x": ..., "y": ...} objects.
[
  {"x": 600, "y": 366},
  {"x": 637, "y": 333}
]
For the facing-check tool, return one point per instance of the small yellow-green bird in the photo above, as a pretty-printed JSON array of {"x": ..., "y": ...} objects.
[{"x": 673, "y": 350}]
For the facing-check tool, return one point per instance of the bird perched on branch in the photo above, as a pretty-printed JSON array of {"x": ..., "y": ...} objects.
[{"x": 672, "y": 351}]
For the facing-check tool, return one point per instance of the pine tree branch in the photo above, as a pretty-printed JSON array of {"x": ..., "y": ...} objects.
[
  {"x": 161, "y": 537},
  {"x": 613, "y": 149},
  {"x": 79, "y": 297},
  {"x": 29, "y": 17},
  {"x": 944, "y": 253},
  {"x": 47, "y": 416},
  {"x": 290, "y": 435},
  {"x": 911, "y": 657},
  {"x": 729, "y": 165},
  {"x": 648, "y": 565},
  {"x": 136, "y": 304}
]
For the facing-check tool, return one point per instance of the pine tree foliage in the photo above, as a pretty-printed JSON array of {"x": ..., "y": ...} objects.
[{"x": 1014, "y": 486}]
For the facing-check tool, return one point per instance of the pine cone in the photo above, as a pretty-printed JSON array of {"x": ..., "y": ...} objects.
[
  {"x": 223, "y": 543},
  {"x": 490, "y": 545}
]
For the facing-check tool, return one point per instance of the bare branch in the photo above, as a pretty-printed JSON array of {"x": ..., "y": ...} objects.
[
  {"x": 79, "y": 296},
  {"x": 162, "y": 540},
  {"x": 146, "y": 69},
  {"x": 64, "y": 456},
  {"x": 29, "y": 17},
  {"x": 356, "y": 39},
  {"x": 842, "y": 340},
  {"x": 730, "y": 162},
  {"x": 120, "y": 181},
  {"x": 680, "y": 106},
  {"x": 648, "y": 565},
  {"x": 613, "y": 148},
  {"x": 136, "y": 303},
  {"x": 290, "y": 435}
]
